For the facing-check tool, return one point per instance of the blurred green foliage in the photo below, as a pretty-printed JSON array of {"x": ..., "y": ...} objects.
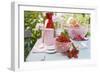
[
  {"x": 83, "y": 18},
  {"x": 31, "y": 19}
]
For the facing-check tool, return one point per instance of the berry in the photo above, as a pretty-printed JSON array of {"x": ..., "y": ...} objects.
[
  {"x": 72, "y": 53},
  {"x": 69, "y": 54},
  {"x": 63, "y": 38},
  {"x": 79, "y": 37}
]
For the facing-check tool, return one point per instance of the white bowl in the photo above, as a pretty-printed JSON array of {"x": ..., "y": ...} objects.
[{"x": 74, "y": 31}]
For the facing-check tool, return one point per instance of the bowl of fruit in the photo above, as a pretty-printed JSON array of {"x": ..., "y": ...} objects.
[
  {"x": 63, "y": 43},
  {"x": 78, "y": 33},
  {"x": 76, "y": 30}
]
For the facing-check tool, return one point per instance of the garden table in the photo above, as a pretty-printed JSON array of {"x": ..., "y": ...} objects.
[{"x": 38, "y": 52}]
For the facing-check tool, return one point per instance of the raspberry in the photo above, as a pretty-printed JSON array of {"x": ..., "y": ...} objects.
[
  {"x": 79, "y": 37},
  {"x": 63, "y": 38},
  {"x": 72, "y": 53}
]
